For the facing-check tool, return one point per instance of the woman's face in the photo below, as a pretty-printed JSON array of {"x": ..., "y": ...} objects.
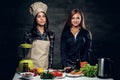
[
  {"x": 76, "y": 19},
  {"x": 41, "y": 19}
]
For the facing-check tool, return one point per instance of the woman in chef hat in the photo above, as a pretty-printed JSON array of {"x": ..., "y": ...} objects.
[{"x": 40, "y": 37}]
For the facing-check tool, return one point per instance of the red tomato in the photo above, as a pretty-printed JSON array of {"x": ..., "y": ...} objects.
[
  {"x": 59, "y": 74},
  {"x": 34, "y": 71},
  {"x": 53, "y": 73}
]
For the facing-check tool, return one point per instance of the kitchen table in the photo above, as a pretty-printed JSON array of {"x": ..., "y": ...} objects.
[{"x": 18, "y": 77}]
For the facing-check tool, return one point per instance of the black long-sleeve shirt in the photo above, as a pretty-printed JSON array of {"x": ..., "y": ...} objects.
[{"x": 75, "y": 48}]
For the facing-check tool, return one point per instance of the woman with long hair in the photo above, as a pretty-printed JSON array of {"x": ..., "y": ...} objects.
[
  {"x": 76, "y": 40},
  {"x": 41, "y": 38}
]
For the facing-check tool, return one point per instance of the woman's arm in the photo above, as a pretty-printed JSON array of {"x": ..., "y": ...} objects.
[
  {"x": 52, "y": 41},
  {"x": 63, "y": 51},
  {"x": 88, "y": 46},
  {"x": 27, "y": 38}
]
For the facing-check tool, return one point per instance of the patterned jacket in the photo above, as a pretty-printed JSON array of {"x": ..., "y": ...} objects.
[{"x": 29, "y": 37}]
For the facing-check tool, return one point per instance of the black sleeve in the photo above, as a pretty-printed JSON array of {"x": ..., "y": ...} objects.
[
  {"x": 63, "y": 51},
  {"x": 88, "y": 45},
  {"x": 27, "y": 38},
  {"x": 52, "y": 41}
]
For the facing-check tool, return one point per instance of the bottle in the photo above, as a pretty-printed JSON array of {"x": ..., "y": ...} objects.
[
  {"x": 25, "y": 67},
  {"x": 78, "y": 64}
]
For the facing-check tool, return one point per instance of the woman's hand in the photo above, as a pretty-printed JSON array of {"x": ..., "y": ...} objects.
[{"x": 66, "y": 68}]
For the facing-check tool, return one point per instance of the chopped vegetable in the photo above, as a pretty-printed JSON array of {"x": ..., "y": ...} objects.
[{"x": 46, "y": 75}]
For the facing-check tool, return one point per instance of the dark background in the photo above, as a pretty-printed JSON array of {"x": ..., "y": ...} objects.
[{"x": 101, "y": 17}]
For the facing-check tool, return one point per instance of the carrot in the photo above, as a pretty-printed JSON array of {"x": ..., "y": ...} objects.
[
  {"x": 72, "y": 72},
  {"x": 80, "y": 72}
]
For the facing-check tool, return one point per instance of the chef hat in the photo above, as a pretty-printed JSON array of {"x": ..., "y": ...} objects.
[{"x": 38, "y": 7}]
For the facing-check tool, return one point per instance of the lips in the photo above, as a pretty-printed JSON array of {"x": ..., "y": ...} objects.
[
  {"x": 75, "y": 23},
  {"x": 41, "y": 23}
]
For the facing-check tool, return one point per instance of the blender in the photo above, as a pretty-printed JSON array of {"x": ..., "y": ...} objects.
[{"x": 23, "y": 51}]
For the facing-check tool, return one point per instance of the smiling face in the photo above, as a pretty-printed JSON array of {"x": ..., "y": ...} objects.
[
  {"x": 76, "y": 20},
  {"x": 41, "y": 19}
]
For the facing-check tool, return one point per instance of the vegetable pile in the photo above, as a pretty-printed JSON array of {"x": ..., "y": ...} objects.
[
  {"x": 89, "y": 70},
  {"x": 51, "y": 75},
  {"x": 46, "y": 75}
]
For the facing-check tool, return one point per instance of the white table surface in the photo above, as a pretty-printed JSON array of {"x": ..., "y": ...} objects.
[{"x": 18, "y": 77}]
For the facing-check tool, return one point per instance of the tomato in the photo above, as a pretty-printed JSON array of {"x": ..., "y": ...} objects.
[
  {"x": 59, "y": 74},
  {"x": 34, "y": 71},
  {"x": 53, "y": 73},
  {"x": 56, "y": 73}
]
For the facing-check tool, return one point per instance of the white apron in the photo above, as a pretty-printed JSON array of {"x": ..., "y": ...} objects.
[{"x": 39, "y": 53}]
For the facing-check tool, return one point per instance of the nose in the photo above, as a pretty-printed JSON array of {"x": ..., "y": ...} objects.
[{"x": 41, "y": 18}]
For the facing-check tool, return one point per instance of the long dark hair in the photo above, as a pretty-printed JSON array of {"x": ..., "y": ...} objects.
[
  {"x": 68, "y": 22},
  {"x": 33, "y": 30}
]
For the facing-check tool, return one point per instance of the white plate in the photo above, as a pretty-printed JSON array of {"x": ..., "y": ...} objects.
[
  {"x": 63, "y": 76},
  {"x": 74, "y": 75},
  {"x": 27, "y": 76}
]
